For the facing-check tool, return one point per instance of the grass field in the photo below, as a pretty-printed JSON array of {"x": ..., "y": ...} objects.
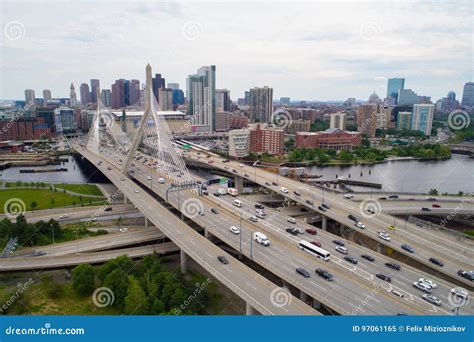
[
  {"x": 86, "y": 189},
  {"x": 45, "y": 198}
]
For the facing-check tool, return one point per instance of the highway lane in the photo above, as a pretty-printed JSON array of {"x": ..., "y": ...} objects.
[
  {"x": 283, "y": 258},
  {"x": 96, "y": 243},
  {"x": 454, "y": 255},
  {"x": 26, "y": 264},
  {"x": 401, "y": 280},
  {"x": 246, "y": 283}
]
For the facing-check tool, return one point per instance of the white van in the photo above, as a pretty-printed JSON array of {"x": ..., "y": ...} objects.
[
  {"x": 238, "y": 203},
  {"x": 260, "y": 214},
  {"x": 261, "y": 238},
  {"x": 222, "y": 191}
]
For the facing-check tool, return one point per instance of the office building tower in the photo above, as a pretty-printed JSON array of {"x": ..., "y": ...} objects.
[
  {"x": 106, "y": 97},
  {"x": 178, "y": 97},
  {"x": 95, "y": 87},
  {"x": 222, "y": 121},
  {"x": 157, "y": 83},
  {"x": 247, "y": 98},
  {"x": 201, "y": 93},
  {"x": 338, "y": 120},
  {"x": 85, "y": 94},
  {"x": 173, "y": 86},
  {"x": 134, "y": 92},
  {"x": 266, "y": 139},
  {"x": 468, "y": 95},
  {"x": 407, "y": 97},
  {"x": 30, "y": 97},
  {"x": 394, "y": 85},
  {"x": 165, "y": 99},
  {"x": 404, "y": 120},
  {"x": 72, "y": 96},
  {"x": 422, "y": 118},
  {"x": 261, "y": 104},
  {"x": 46, "y": 96},
  {"x": 239, "y": 143},
  {"x": 367, "y": 119},
  {"x": 120, "y": 94},
  {"x": 222, "y": 100}
]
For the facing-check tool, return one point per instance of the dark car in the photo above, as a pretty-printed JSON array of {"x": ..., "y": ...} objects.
[
  {"x": 214, "y": 210},
  {"x": 292, "y": 231},
  {"x": 296, "y": 193},
  {"x": 467, "y": 275},
  {"x": 204, "y": 187},
  {"x": 108, "y": 209},
  {"x": 384, "y": 277},
  {"x": 352, "y": 217},
  {"x": 436, "y": 262},
  {"x": 338, "y": 242},
  {"x": 259, "y": 206},
  {"x": 425, "y": 209},
  {"x": 274, "y": 184},
  {"x": 309, "y": 202},
  {"x": 316, "y": 243},
  {"x": 382, "y": 198},
  {"x": 311, "y": 231},
  {"x": 205, "y": 193},
  {"x": 368, "y": 257},
  {"x": 235, "y": 171},
  {"x": 436, "y": 206},
  {"x": 321, "y": 208},
  {"x": 351, "y": 259},
  {"x": 246, "y": 175},
  {"x": 223, "y": 259},
  {"x": 325, "y": 205},
  {"x": 393, "y": 196},
  {"x": 303, "y": 272},
  {"x": 216, "y": 194},
  {"x": 393, "y": 265},
  {"x": 268, "y": 183},
  {"x": 408, "y": 248},
  {"x": 325, "y": 274}
]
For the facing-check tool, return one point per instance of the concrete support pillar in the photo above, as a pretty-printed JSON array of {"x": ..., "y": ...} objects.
[
  {"x": 316, "y": 304},
  {"x": 207, "y": 234},
  {"x": 286, "y": 285},
  {"x": 324, "y": 224},
  {"x": 341, "y": 229},
  {"x": 184, "y": 262},
  {"x": 380, "y": 248},
  {"x": 303, "y": 296},
  {"x": 249, "y": 310},
  {"x": 239, "y": 184},
  {"x": 125, "y": 200},
  {"x": 146, "y": 222}
]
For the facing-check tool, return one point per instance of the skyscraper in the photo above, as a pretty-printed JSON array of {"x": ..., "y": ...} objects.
[
  {"x": 95, "y": 85},
  {"x": 338, "y": 120},
  {"x": 261, "y": 104},
  {"x": 72, "y": 96},
  {"x": 422, "y": 118},
  {"x": 468, "y": 95},
  {"x": 404, "y": 120},
  {"x": 407, "y": 97},
  {"x": 106, "y": 97},
  {"x": 120, "y": 93},
  {"x": 201, "y": 91},
  {"x": 46, "y": 96},
  {"x": 157, "y": 83},
  {"x": 85, "y": 93},
  {"x": 222, "y": 100},
  {"x": 393, "y": 87},
  {"x": 134, "y": 92},
  {"x": 166, "y": 99},
  {"x": 173, "y": 86},
  {"x": 367, "y": 119},
  {"x": 30, "y": 97}
]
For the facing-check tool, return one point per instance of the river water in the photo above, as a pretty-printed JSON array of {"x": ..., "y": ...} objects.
[{"x": 452, "y": 175}]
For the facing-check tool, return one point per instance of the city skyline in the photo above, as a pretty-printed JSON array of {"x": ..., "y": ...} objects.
[{"x": 307, "y": 60}]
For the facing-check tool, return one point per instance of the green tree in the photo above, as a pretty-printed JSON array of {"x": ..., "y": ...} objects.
[
  {"x": 136, "y": 300},
  {"x": 433, "y": 192},
  {"x": 83, "y": 279},
  {"x": 33, "y": 205},
  {"x": 117, "y": 281},
  {"x": 346, "y": 156}
]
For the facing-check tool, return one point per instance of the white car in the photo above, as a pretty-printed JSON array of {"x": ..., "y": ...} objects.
[
  {"x": 148, "y": 177},
  {"x": 422, "y": 286},
  {"x": 299, "y": 230},
  {"x": 342, "y": 250},
  {"x": 348, "y": 196},
  {"x": 460, "y": 292},
  {"x": 136, "y": 191},
  {"x": 123, "y": 230},
  {"x": 64, "y": 216},
  {"x": 432, "y": 299},
  {"x": 234, "y": 230},
  {"x": 284, "y": 190},
  {"x": 291, "y": 220},
  {"x": 384, "y": 235},
  {"x": 253, "y": 219},
  {"x": 122, "y": 179},
  {"x": 161, "y": 181},
  {"x": 360, "y": 225},
  {"x": 428, "y": 282}
]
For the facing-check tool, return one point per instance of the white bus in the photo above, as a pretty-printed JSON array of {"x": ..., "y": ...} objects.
[
  {"x": 315, "y": 250},
  {"x": 232, "y": 191}
]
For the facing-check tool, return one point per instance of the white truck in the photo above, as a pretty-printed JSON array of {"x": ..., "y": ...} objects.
[
  {"x": 222, "y": 191},
  {"x": 261, "y": 238}
]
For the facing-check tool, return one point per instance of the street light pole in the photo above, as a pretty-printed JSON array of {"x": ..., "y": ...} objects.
[
  {"x": 52, "y": 231},
  {"x": 240, "y": 236}
]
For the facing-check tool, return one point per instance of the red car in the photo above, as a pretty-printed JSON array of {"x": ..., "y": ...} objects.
[
  {"x": 210, "y": 162},
  {"x": 311, "y": 231},
  {"x": 436, "y": 206},
  {"x": 316, "y": 243}
]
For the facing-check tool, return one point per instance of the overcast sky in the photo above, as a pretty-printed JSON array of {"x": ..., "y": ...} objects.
[{"x": 313, "y": 50}]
